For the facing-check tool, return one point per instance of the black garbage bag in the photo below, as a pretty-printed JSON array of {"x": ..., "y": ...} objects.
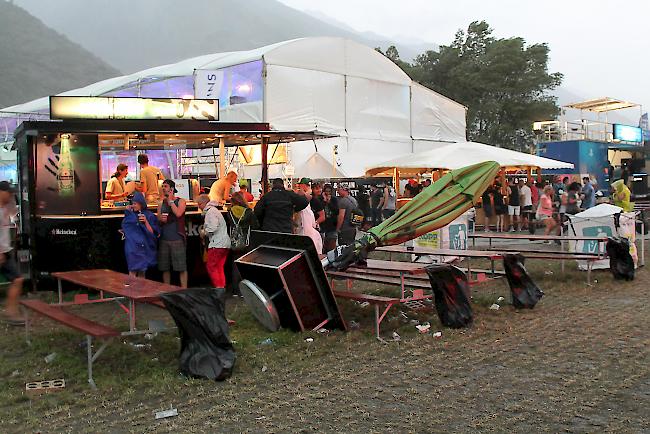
[
  {"x": 525, "y": 292},
  {"x": 206, "y": 350},
  {"x": 621, "y": 263},
  {"x": 356, "y": 253},
  {"x": 451, "y": 291}
]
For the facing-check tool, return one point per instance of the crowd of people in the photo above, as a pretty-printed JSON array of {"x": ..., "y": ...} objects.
[
  {"x": 327, "y": 214},
  {"x": 519, "y": 203}
]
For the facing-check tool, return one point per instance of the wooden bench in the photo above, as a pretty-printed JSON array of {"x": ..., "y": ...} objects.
[
  {"x": 90, "y": 328},
  {"x": 376, "y": 301}
]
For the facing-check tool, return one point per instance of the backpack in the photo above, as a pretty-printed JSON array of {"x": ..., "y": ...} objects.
[
  {"x": 239, "y": 238},
  {"x": 357, "y": 216}
]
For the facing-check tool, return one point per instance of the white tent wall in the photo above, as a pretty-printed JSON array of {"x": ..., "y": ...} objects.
[
  {"x": 304, "y": 100},
  {"x": 435, "y": 117},
  {"x": 363, "y": 152},
  {"x": 377, "y": 110}
]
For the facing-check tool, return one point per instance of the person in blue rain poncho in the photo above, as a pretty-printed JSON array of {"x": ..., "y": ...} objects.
[{"x": 140, "y": 228}]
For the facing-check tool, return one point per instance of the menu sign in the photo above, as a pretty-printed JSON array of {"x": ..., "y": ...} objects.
[
  {"x": 91, "y": 107},
  {"x": 67, "y": 174}
]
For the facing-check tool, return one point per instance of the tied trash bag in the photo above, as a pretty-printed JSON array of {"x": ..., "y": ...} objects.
[
  {"x": 206, "y": 350},
  {"x": 621, "y": 263},
  {"x": 525, "y": 292},
  {"x": 450, "y": 289}
]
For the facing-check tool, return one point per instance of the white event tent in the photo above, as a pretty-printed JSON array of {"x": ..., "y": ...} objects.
[
  {"x": 456, "y": 155},
  {"x": 332, "y": 85}
]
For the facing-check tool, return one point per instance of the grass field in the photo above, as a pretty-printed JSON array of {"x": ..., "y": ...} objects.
[{"x": 578, "y": 362}]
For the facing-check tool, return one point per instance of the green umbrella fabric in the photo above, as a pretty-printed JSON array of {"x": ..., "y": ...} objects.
[{"x": 434, "y": 207}]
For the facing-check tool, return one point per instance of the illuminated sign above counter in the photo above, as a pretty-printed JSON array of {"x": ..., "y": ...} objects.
[
  {"x": 87, "y": 107},
  {"x": 627, "y": 133}
]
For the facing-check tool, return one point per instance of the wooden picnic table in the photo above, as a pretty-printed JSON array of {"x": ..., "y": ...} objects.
[
  {"x": 529, "y": 237},
  {"x": 120, "y": 285},
  {"x": 491, "y": 255}
]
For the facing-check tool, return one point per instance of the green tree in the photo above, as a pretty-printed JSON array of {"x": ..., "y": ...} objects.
[
  {"x": 504, "y": 83},
  {"x": 393, "y": 54}
]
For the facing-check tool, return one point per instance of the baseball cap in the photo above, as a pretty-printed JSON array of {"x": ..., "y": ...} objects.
[
  {"x": 5, "y": 186},
  {"x": 305, "y": 181},
  {"x": 171, "y": 184}
]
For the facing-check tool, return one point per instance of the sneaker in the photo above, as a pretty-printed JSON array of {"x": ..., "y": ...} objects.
[{"x": 512, "y": 230}]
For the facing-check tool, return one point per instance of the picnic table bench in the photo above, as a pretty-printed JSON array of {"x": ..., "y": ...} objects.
[
  {"x": 120, "y": 286},
  {"x": 403, "y": 274},
  {"x": 90, "y": 328}
]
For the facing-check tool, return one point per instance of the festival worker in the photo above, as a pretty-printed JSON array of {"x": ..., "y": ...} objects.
[
  {"x": 116, "y": 187},
  {"x": 149, "y": 177},
  {"x": 140, "y": 229},
  {"x": 216, "y": 230},
  {"x": 8, "y": 266},
  {"x": 221, "y": 190},
  {"x": 171, "y": 249}
]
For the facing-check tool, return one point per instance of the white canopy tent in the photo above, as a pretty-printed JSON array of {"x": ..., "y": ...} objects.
[
  {"x": 456, "y": 155},
  {"x": 333, "y": 85}
]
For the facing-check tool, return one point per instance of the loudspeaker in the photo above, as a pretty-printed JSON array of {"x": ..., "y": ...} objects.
[{"x": 287, "y": 269}]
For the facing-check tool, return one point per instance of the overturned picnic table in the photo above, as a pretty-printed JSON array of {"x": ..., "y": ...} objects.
[
  {"x": 402, "y": 274},
  {"x": 121, "y": 287}
]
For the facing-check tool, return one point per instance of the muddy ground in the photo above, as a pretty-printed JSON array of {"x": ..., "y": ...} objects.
[{"x": 578, "y": 362}]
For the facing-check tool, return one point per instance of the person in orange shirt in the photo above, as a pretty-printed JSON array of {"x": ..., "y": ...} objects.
[{"x": 243, "y": 188}]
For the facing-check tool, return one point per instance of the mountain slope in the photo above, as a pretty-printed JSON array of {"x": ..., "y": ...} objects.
[
  {"x": 35, "y": 61},
  {"x": 134, "y": 35}
]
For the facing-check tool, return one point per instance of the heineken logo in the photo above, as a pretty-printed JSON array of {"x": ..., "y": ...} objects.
[
  {"x": 192, "y": 229},
  {"x": 64, "y": 232}
]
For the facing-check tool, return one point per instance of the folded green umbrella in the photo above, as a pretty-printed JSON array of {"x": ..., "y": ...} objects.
[{"x": 434, "y": 207}]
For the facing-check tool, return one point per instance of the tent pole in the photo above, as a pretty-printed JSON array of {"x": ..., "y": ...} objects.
[
  {"x": 396, "y": 182},
  {"x": 222, "y": 157},
  {"x": 265, "y": 165}
]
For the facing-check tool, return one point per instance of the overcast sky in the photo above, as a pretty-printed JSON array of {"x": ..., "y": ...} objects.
[{"x": 600, "y": 46}]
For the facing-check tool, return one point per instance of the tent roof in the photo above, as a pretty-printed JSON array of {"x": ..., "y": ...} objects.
[
  {"x": 601, "y": 105},
  {"x": 328, "y": 54},
  {"x": 601, "y": 210},
  {"x": 456, "y": 155},
  {"x": 317, "y": 167}
]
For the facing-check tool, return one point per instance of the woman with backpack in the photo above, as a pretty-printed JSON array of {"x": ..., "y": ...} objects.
[
  {"x": 241, "y": 220},
  {"x": 216, "y": 231}
]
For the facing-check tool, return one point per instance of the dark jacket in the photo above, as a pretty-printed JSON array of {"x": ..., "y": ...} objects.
[{"x": 275, "y": 209}]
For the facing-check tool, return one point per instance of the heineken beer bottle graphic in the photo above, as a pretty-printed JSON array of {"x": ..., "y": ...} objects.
[{"x": 65, "y": 174}]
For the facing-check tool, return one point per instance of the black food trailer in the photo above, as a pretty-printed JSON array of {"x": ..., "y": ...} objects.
[{"x": 64, "y": 223}]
